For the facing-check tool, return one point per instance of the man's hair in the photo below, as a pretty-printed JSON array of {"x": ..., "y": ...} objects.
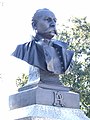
[{"x": 37, "y": 15}]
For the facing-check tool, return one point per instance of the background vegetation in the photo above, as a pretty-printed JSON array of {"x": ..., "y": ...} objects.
[{"x": 77, "y": 34}]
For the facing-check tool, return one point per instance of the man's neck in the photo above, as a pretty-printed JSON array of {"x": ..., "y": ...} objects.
[{"x": 41, "y": 36}]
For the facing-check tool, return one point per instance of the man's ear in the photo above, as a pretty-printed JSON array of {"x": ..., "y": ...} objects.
[{"x": 34, "y": 25}]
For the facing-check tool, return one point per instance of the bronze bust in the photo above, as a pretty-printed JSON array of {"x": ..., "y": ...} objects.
[{"x": 47, "y": 57}]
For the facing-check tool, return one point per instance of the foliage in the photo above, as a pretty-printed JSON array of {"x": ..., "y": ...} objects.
[
  {"x": 21, "y": 81},
  {"x": 77, "y": 35}
]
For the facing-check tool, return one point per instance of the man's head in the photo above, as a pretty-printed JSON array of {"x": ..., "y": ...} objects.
[{"x": 44, "y": 22}]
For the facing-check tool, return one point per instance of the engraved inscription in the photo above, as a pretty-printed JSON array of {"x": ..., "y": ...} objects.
[{"x": 58, "y": 99}]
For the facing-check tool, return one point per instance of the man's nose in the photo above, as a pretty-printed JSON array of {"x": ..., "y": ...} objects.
[{"x": 52, "y": 24}]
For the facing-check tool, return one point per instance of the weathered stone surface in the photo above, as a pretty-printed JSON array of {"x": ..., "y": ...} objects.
[
  {"x": 44, "y": 112},
  {"x": 52, "y": 95}
]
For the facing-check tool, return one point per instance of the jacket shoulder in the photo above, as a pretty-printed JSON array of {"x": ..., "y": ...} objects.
[{"x": 20, "y": 49}]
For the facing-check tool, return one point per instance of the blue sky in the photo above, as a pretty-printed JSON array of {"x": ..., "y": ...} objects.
[{"x": 15, "y": 28}]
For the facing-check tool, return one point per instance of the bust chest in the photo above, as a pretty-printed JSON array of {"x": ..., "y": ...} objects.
[{"x": 51, "y": 57}]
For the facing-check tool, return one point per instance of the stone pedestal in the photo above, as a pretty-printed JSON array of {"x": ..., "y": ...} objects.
[
  {"x": 44, "y": 112},
  {"x": 45, "y": 102}
]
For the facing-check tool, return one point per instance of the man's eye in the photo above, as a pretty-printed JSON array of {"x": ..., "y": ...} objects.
[
  {"x": 55, "y": 20},
  {"x": 48, "y": 19}
]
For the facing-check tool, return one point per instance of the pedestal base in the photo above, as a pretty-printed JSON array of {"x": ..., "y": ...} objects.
[
  {"x": 44, "y": 112},
  {"x": 45, "y": 102}
]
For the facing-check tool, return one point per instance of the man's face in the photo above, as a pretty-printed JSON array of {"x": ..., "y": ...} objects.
[{"x": 46, "y": 25}]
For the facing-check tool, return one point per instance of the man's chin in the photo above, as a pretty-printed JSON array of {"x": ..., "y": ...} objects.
[{"x": 47, "y": 35}]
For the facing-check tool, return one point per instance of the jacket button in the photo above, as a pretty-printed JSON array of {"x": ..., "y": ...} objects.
[
  {"x": 62, "y": 67},
  {"x": 61, "y": 63},
  {"x": 56, "y": 49},
  {"x": 58, "y": 52},
  {"x": 59, "y": 56}
]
